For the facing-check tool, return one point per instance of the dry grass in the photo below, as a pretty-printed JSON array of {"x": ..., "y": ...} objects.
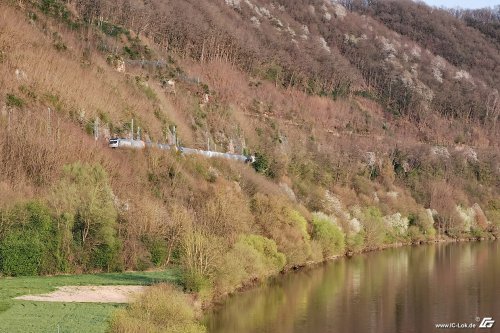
[{"x": 59, "y": 78}]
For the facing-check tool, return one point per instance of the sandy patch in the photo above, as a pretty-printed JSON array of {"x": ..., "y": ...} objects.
[{"x": 91, "y": 294}]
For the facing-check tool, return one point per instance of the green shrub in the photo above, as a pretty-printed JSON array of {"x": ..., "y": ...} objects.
[
  {"x": 30, "y": 244},
  {"x": 159, "y": 251},
  {"x": 161, "y": 308},
  {"x": 150, "y": 93},
  {"x": 415, "y": 234},
  {"x": 232, "y": 272},
  {"x": 424, "y": 222},
  {"x": 21, "y": 254},
  {"x": 14, "y": 101},
  {"x": 261, "y": 164},
  {"x": 105, "y": 257},
  {"x": 253, "y": 257},
  {"x": 194, "y": 281},
  {"x": 355, "y": 242},
  {"x": 316, "y": 251},
  {"x": 492, "y": 212},
  {"x": 111, "y": 29},
  {"x": 272, "y": 260},
  {"x": 286, "y": 227},
  {"x": 373, "y": 226},
  {"x": 330, "y": 236},
  {"x": 85, "y": 199}
]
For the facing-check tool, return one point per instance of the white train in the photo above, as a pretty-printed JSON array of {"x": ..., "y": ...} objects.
[{"x": 139, "y": 144}]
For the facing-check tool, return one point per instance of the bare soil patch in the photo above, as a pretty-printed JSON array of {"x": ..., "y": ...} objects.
[{"x": 88, "y": 294}]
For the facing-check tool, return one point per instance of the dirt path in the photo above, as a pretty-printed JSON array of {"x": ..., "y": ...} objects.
[{"x": 91, "y": 294}]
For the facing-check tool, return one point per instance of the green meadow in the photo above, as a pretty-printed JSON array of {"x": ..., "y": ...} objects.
[{"x": 31, "y": 316}]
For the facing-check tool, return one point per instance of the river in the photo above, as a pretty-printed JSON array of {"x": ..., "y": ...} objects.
[{"x": 407, "y": 289}]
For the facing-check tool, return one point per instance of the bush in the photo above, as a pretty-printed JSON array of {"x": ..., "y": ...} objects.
[
  {"x": 265, "y": 250},
  {"x": 253, "y": 257},
  {"x": 261, "y": 164},
  {"x": 226, "y": 214},
  {"x": 363, "y": 185},
  {"x": 374, "y": 227},
  {"x": 159, "y": 251},
  {"x": 86, "y": 201},
  {"x": 21, "y": 254},
  {"x": 162, "y": 308},
  {"x": 14, "y": 101},
  {"x": 288, "y": 228},
  {"x": 415, "y": 234},
  {"x": 316, "y": 251},
  {"x": 355, "y": 242},
  {"x": 330, "y": 236},
  {"x": 194, "y": 281},
  {"x": 424, "y": 221},
  {"x": 105, "y": 257},
  {"x": 30, "y": 245}
]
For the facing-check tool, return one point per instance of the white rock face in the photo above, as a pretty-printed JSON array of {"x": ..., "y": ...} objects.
[
  {"x": 393, "y": 194},
  {"x": 265, "y": 12},
  {"x": 234, "y": 3},
  {"x": 352, "y": 39},
  {"x": 20, "y": 75},
  {"x": 255, "y": 21},
  {"x": 277, "y": 22},
  {"x": 470, "y": 154},
  {"x": 370, "y": 158},
  {"x": 462, "y": 74},
  {"x": 252, "y": 6},
  {"x": 440, "y": 151},
  {"x": 416, "y": 52},
  {"x": 324, "y": 45},
  {"x": 340, "y": 11},
  {"x": 120, "y": 66},
  {"x": 288, "y": 191}
]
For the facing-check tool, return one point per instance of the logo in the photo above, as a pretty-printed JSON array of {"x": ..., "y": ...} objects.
[{"x": 487, "y": 322}]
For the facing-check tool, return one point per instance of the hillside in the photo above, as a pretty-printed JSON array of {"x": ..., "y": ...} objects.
[{"x": 371, "y": 125}]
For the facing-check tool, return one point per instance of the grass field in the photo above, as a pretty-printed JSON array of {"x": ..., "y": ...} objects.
[{"x": 29, "y": 316}]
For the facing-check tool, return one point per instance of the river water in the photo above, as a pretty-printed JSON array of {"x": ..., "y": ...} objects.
[{"x": 408, "y": 289}]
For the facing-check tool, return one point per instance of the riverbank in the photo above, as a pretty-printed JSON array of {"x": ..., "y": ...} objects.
[
  {"x": 95, "y": 317},
  {"x": 408, "y": 289},
  {"x": 250, "y": 284}
]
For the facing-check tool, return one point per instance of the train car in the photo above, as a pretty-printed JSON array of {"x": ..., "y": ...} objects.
[
  {"x": 139, "y": 144},
  {"x": 126, "y": 143}
]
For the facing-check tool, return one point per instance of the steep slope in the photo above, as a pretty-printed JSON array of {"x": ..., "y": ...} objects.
[{"x": 359, "y": 128}]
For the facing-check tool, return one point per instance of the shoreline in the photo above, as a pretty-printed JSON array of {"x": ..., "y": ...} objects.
[{"x": 255, "y": 283}]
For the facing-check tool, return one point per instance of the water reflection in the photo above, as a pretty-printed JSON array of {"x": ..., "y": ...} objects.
[{"x": 397, "y": 290}]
